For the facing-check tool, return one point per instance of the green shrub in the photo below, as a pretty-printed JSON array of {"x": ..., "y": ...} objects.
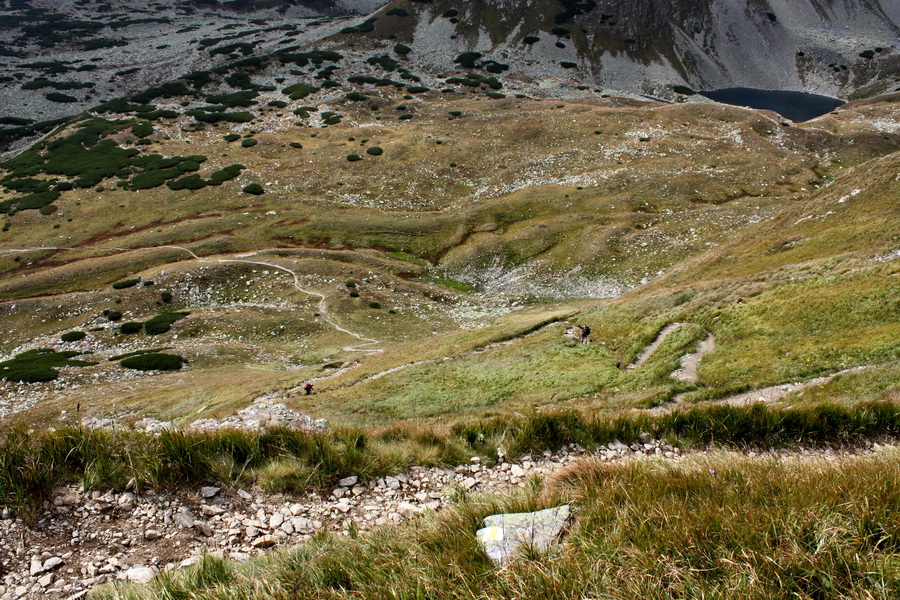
[
  {"x": 114, "y": 315},
  {"x": 253, "y": 188},
  {"x": 467, "y": 59},
  {"x": 130, "y": 327},
  {"x": 161, "y": 323},
  {"x": 142, "y": 129},
  {"x": 333, "y": 120},
  {"x": 374, "y": 304},
  {"x": 58, "y": 97},
  {"x": 354, "y": 157},
  {"x": 249, "y": 142},
  {"x": 221, "y": 176},
  {"x": 417, "y": 89},
  {"x": 48, "y": 209},
  {"x": 243, "y": 99},
  {"x": 295, "y": 145},
  {"x": 298, "y": 91},
  {"x": 232, "y": 137},
  {"x": 354, "y": 294},
  {"x": 530, "y": 39},
  {"x": 496, "y": 95},
  {"x": 350, "y": 284},
  {"x": 397, "y": 12},
  {"x": 73, "y": 336},
  {"x": 121, "y": 285},
  {"x": 277, "y": 103},
  {"x": 191, "y": 182},
  {"x": 35, "y": 366},
  {"x": 165, "y": 296},
  {"x": 374, "y": 151},
  {"x": 402, "y": 49},
  {"x": 405, "y": 117},
  {"x": 355, "y": 96},
  {"x": 153, "y": 362}
]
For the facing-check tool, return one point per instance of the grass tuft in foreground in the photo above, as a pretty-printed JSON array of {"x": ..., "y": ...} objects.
[
  {"x": 32, "y": 463},
  {"x": 713, "y": 526}
]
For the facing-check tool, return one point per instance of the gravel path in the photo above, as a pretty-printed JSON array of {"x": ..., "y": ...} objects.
[
  {"x": 649, "y": 350},
  {"x": 691, "y": 362}
]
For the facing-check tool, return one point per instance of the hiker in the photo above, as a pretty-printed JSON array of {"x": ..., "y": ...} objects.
[
  {"x": 585, "y": 332},
  {"x": 308, "y": 387}
]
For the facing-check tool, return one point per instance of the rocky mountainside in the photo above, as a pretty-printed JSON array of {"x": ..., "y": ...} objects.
[
  {"x": 826, "y": 46},
  {"x": 61, "y": 58}
]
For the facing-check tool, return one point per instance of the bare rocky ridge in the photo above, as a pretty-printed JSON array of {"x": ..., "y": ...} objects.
[{"x": 84, "y": 539}]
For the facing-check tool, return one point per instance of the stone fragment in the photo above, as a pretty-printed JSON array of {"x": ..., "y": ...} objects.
[
  {"x": 348, "y": 481},
  {"x": 184, "y": 518},
  {"x": 503, "y": 535},
  {"x": 204, "y": 528},
  {"x": 209, "y": 491},
  {"x": 266, "y": 541},
  {"x": 139, "y": 574},
  {"x": 152, "y": 534},
  {"x": 211, "y": 510},
  {"x": 53, "y": 562}
]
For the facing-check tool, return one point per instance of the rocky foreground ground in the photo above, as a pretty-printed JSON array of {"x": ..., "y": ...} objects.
[{"x": 85, "y": 539}]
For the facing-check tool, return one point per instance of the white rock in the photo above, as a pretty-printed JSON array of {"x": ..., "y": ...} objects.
[
  {"x": 211, "y": 510},
  {"x": 276, "y": 520},
  {"x": 184, "y": 518},
  {"x": 152, "y": 534},
  {"x": 52, "y": 563},
  {"x": 348, "y": 481},
  {"x": 139, "y": 574},
  {"x": 209, "y": 491},
  {"x": 266, "y": 541}
]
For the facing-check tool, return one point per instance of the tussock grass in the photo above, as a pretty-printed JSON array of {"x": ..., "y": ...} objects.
[
  {"x": 717, "y": 526},
  {"x": 32, "y": 463}
]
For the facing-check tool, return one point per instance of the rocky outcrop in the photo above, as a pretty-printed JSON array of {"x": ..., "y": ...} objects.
[{"x": 647, "y": 46}]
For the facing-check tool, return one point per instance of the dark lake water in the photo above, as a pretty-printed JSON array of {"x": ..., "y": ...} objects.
[{"x": 796, "y": 106}]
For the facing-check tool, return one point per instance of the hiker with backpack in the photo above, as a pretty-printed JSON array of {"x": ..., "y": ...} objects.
[{"x": 585, "y": 332}]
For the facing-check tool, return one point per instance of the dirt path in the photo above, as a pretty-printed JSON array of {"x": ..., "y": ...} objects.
[
  {"x": 766, "y": 395},
  {"x": 322, "y": 305},
  {"x": 649, "y": 350},
  {"x": 364, "y": 348},
  {"x": 691, "y": 362}
]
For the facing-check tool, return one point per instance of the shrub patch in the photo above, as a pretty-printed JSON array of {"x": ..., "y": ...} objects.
[{"x": 38, "y": 365}]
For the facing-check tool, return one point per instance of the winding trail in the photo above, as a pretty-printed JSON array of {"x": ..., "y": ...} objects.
[
  {"x": 322, "y": 305},
  {"x": 364, "y": 348},
  {"x": 649, "y": 350},
  {"x": 691, "y": 362}
]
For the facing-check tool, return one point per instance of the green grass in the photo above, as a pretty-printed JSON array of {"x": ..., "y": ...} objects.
[
  {"x": 35, "y": 462},
  {"x": 719, "y": 527}
]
